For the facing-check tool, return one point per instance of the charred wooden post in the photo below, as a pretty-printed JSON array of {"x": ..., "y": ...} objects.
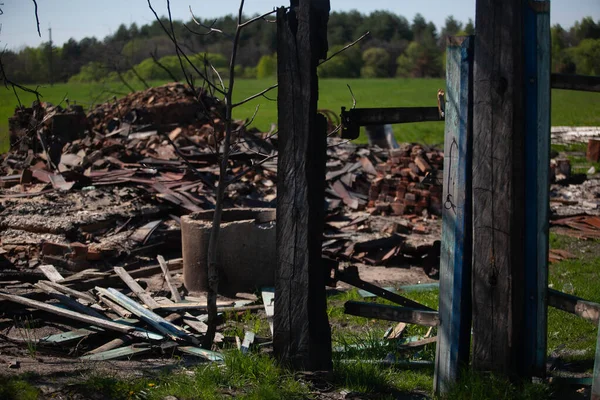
[
  {"x": 498, "y": 188},
  {"x": 454, "y": 333},
  {"x": 302, "y": 336}
]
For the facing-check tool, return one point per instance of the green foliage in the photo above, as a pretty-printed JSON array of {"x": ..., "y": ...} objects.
[
  {"x": 92, "y": 72},
  {"x": 376, "y": 63},
  {"x": 267, "y": 66},
  {"x": 587, "y": 57},
  {"x": 420, "y": 60},
  {"x": 15, "y": 388}
]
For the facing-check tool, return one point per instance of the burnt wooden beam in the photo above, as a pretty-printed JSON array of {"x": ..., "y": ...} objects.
[
  {"x": 354, "y": 118},
  {"x": 574, "y": 305},
  {"x": 351, "y": 277},
  {"x": 392, "y": 313},
  {"x": 583, "y": 83},
  {"x": 498, "y": 188},
  {"x": 301, "y": 333}
]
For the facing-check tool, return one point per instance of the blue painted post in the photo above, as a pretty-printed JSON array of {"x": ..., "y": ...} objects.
[
  {"x": 454, "y": 332},
  {"x": 596, "y": 379},
  {"x": 537, "y": 181}
]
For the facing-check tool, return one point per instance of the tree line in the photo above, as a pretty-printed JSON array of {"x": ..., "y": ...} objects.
[{"x": 395, "y": 47}]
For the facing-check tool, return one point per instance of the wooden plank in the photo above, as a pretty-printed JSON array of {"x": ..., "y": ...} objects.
[
  {"x": 51, "y": 273},
  {"x": 268, "y": 298},
  {"x": 200, "y": 352},
  {"x": 392, "y": 313},
  {"x": 576, "y": 82},
  {"x": 69, "y": 302},
  {"x": 162, "y": 325},
  {"x": 574, "y": 305},
  {"x": 165, "y": 269},
  {"x": 596, "y": 381},
  {"x": 248, "y": 340},
  {"x": 452, "y": 352},
  {"x": 302, "y": 335},
  {"x": 115, "y": 354},
  {"x": 120, "y": 341},
  {"x": 102, "y": 323},
  {"x": 71, "y": 292},
  {"x": 135, "y": 287},
  {"x": 203, "y": 307},
  {"x": 498, "y": 189},
  {"x": 537, "y": 181},
  {"x": 350, "y": 275},
  {"x": 120, "y": 311}
]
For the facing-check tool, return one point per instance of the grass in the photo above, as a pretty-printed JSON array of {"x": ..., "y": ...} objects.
[
  {"x": 250, "y": 376},
  {"x": 568, "y": 107},
  {"x": 17, "y": 388},
  {"x": 571, "y": 336}
]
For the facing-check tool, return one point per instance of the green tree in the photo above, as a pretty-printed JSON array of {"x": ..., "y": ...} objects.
[
  {"x": 587, "y": 57},
  {"x": 267, "y": 66},
  {"x": 376, "y": 63},
  {"x": 420, "y": 60}
]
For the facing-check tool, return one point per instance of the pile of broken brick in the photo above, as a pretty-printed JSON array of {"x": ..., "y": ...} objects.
[{"x": 93, "y": 191}]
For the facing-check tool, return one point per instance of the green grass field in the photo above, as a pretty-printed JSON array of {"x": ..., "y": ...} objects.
[{"x": 568, "y": 108}]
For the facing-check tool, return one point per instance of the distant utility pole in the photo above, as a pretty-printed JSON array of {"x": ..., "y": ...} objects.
[{"x": 50, "y": 57}]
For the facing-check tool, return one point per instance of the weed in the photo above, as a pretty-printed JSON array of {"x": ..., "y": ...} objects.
[{"x": 26, "y": 331}]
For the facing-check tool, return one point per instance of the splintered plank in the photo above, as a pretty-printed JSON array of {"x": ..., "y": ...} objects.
[
  {"x": 392, "y": 313},
  {"x": 156, "y": 321},
  {"x": 115, "y": 354},
  {"x": 71, "y": 292},
  {"x": 165, "y": 269},
  {"x": 135, "y": 287},
  {"x": 69, "y": 302},
  {"x": 51, "y": 273},
  {"x": 102, "y": 323},
  {"x": 200, "y": 352}
]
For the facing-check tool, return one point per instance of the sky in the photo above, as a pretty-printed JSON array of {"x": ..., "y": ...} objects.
[{"x": 81, "y": 18}]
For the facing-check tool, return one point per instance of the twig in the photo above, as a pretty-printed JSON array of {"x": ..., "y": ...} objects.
[
  {"x": 345, "y": 48},
  {"x": 37, "y": 18},
  {"x": 250, "y": 21},
  {"x": 157, "y": 62},
  {"x": 210, "y": 28},
  {"x": 254, "y": 96},
  {"x": 352, "y": 94},
  {"x": 178, "y": 50},
  {"x": 140, "y": 77},
  {"x": 247, "y": 170}
]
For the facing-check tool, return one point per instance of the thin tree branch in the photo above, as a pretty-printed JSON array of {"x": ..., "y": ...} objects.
[
  {"x": 253, "y": 20},
  {"x": 140, "y": 77},
  {"x": 157, "y": 62},
  {"x": 237, "y": 177},
  {"x": 345, "y": 48},
  {"x": 254, "y": 96},
  {"x": 37, "y": 18},
  {"x": 178, "y": 49}
]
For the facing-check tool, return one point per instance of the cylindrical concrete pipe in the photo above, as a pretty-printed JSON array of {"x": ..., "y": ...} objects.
[{"x": 246, "y": 249}]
